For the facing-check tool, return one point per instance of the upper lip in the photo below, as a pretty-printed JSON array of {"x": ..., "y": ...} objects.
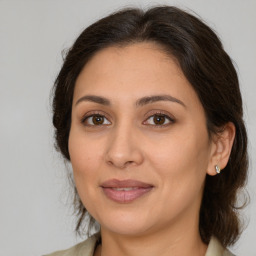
[{"x": 115, "y": 183}]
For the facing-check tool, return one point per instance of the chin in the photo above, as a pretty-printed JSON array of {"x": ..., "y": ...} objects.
[
  {"x": 125, "y": 224},
  {"x": 127, "y": 230}
]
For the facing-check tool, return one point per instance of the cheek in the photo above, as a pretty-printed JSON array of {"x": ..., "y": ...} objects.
[
  {"x": 181, "y": 165},
  {"x": 83, "y": 159},
  {"x": 82, "y": 149},
  {"x": 85, "y": 164},
  {"x": 181, "y": 158}
]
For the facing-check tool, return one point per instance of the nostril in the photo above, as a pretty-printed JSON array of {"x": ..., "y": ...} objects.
[
  {"x": 127, "y": 164},
  {"x": 110, "y": 162},
  {"x": 120, "y": 165}
]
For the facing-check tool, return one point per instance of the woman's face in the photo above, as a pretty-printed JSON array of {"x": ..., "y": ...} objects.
[{"x": 138, "y": 142}]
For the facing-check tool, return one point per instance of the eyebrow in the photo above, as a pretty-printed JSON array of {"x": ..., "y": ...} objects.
[
  {"x": 140, "y": 102},
  {"x": 96, "y": 99},
  {"x": 151, "y": 99}
]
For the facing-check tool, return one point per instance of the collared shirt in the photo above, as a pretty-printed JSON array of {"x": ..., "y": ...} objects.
[{"x": 87, "y": 247}]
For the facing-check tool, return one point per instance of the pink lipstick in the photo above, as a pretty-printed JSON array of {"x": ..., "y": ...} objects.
[{"x": 125, "y": 191}]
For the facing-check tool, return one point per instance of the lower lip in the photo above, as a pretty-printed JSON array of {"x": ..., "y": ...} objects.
[{"x": 121, "y": 196}]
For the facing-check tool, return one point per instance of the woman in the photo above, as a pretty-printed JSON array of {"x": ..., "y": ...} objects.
[{"x": 147, "y": 108}]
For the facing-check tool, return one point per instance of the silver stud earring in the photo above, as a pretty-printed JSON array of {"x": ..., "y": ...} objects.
[{"x": 217, "y": 168}]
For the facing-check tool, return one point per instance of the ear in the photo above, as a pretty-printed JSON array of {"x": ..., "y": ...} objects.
[{"x": 222, "y": 143}]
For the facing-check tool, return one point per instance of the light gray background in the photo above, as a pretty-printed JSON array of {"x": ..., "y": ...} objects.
[{"x": 35, "y": 216}]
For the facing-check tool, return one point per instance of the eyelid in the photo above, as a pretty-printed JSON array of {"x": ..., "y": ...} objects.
[
  {"x": 152, "y": 113},
  {"x": 94, "y": 113},
  {"x": 148, "y": 115}
]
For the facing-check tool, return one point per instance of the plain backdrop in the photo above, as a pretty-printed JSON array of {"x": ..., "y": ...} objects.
[{"x": 35, "y": 212}]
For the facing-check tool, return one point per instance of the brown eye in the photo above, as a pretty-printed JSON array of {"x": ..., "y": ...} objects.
[
  {"x": 95, "y": 120},
  {"x": 159, "y": 119}
]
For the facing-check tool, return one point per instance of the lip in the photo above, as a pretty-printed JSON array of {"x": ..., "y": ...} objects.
[{"x": 125, "y": 191}]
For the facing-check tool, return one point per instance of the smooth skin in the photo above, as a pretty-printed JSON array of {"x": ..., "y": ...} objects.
[{"x": 120, "y": 130}]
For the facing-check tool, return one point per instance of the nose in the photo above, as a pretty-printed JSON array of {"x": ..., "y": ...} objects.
[{"x": 124, "y": 148}]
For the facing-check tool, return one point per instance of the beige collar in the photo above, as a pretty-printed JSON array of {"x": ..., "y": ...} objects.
[{"x": 216, "y": 249}]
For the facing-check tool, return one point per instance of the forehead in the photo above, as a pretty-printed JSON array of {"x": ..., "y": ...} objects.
[
  {"x": 133, "y": 71},
  {"x": 146, "y": 56}
]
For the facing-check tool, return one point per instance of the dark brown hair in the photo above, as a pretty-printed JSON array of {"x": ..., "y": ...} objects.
[{"x": 209, "y": 70}]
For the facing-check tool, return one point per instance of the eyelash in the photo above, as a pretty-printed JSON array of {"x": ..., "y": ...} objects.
[
  {"x": 94, "y": 114},
  {"x": 154, "y": 114},
  {"x": 167, "y": 117}
]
